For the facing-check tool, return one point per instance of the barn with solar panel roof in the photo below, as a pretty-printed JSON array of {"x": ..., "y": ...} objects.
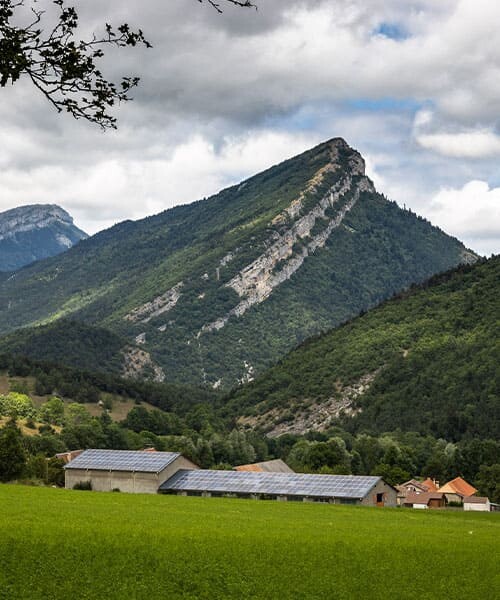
[
  {"x": 298, "y": 487},
  {"x": 172, "y": 473},
  {"x": 124, "y": 470}
]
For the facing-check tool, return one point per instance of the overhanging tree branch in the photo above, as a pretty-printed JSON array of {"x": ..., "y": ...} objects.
[
  {"x": 242, "y": 3},
  {"x": 63, "y": 68}
]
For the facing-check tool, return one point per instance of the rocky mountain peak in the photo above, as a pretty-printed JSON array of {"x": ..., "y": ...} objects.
[
  {"x": 28, "y": 233},
  {"x": 347, "y": 156},
  {"x": 32, "y": 216}
]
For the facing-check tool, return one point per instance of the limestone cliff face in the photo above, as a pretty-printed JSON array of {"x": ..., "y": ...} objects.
[
  {"x": 255, "y": 282},
  {"x": 29, "y": 233},
  {"x": 295, "y": 234},
  {"x": 159, "y": 305}
]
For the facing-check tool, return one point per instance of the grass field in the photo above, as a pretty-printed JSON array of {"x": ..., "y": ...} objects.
[{"x": 75, "y": 545}]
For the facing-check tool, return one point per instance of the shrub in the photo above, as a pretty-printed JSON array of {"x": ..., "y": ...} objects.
[{"x": 83, "y": 485}]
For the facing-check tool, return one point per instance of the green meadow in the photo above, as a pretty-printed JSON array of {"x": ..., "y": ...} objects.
[{"x": 74, "y": 545}]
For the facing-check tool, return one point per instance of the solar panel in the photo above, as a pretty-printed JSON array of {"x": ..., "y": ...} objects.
[
  {"x": 122, "y": 460},
  {"x": 279, "y": 484}
]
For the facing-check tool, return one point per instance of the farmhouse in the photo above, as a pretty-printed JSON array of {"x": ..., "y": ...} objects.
[
  {"x": 410, "y": 487},
  {"x": 335, "y": 489},
  {"x": 67, "y": 457},
  {"x": 457, "y": 489},
  {"x": 124, "y": 470}
]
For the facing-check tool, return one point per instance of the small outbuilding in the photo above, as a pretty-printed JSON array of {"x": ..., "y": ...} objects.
[
  {"x": 124, "y": 470},
  {"x": 425, "y": 500},
  {"x": 479, "y": 503},
  {"x": 334, "y": 489}
]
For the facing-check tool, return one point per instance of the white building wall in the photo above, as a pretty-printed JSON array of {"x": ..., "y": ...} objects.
[{"x": 478, "y": 507}]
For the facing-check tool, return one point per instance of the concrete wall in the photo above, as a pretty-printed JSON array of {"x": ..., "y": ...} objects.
[
  {"x": 126, "y": 481},
  {"x": 105, "y": 481},
  {"x": 479, "y": 507},
  {"x": 389, "y": 495}
]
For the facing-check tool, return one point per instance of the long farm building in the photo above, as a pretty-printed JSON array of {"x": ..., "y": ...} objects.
[{"x": 172, "y": 473}]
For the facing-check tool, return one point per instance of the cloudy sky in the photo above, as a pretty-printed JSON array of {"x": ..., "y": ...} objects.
[{"x": 414, "y": 85}]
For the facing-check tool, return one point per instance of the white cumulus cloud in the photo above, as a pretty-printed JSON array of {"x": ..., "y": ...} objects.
[
  {"x": 464, "y": 144},
  {"x": 471, "y": 213},
  {"x": 98, "y": 195}
]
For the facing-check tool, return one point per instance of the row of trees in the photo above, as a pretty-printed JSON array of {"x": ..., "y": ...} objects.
[
  {"x": 396, "y": 457},
  {"x": 197, "y": 427}
]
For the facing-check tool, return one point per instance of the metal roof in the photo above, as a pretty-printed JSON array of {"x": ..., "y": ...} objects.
[
  {"x": 122, "y": 460},
  {"x": 280, "y": 484},
  {"x": 476, "y": 500}
]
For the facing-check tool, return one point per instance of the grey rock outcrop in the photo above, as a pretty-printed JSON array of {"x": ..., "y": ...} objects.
[
  {"x": 255, "y": 282},
  {"x": 30, "y": 233}
]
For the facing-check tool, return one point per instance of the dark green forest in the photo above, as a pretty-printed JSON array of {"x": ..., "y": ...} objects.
[
  {"x": 70, "y": 343},
  {"x": 433, "y": 351}
]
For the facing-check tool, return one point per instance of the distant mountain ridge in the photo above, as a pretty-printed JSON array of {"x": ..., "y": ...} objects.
[
  {"x": 32, "y": 232},
  {"x": 219, "y": 290}
]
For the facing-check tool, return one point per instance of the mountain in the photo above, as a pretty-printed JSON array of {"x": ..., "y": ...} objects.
[
  {"x": 427, "y": 360},
  {"x": 219, "y": 290},
  {"x": 29, "y": 233}
]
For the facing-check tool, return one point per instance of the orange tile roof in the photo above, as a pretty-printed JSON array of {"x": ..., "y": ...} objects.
[
  {"x": 430, "y": 485},
  {"x": 458, "y": 486},
  {"x": 253, "y": 467}
]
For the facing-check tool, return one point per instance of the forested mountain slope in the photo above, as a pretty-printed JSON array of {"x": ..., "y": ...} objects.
[
  {"x": 218, "y": 290},
  {"x": 69, "y": 343},
  {"x": 30, "y": 233},
  {"x": 427, "y": 360}
]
